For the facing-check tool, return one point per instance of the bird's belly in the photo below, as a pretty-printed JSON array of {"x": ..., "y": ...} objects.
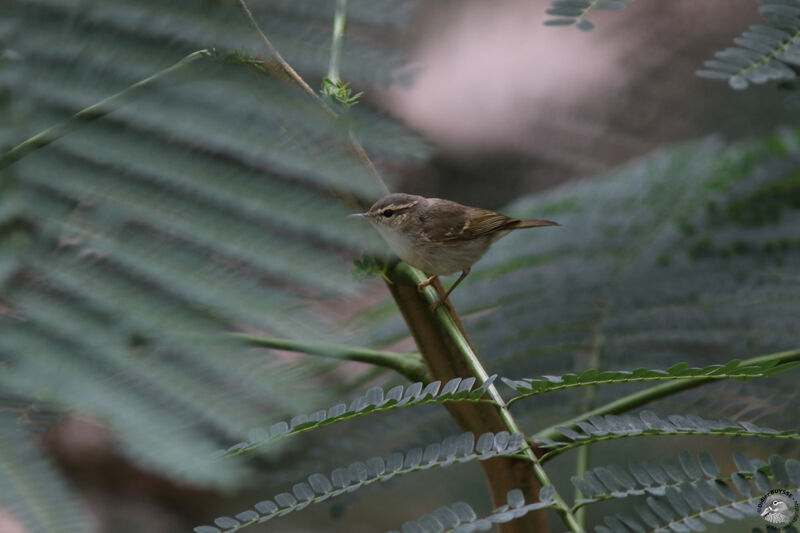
[
  {"x": 433, "y": 259},
  {"x": 451, "y": 259}
]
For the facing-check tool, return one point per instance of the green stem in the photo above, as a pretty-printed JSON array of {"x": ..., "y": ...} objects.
[
  {"x": 637, "y": 399},
  {"x": 734, "y": 374},
  {"x": 93, "y": 112},
  {"x": 582, "y": 456},
  {"x": 581, "y": 464},
  {"x": 339, "y": 26},
  {"x": 588, "y": 9},
  {"x": 474, "y": 363},
  {"x": 768, "y": 433},
  {"x": 409, "y": 365}
]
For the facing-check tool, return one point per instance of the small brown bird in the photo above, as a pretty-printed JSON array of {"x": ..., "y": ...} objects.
[{"x": 438, "y": 236}]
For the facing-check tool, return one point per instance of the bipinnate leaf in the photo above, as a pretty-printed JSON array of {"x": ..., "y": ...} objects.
[
  {"x": 682, "y": 371},
  {"x": 458, "y": 449},
  {"x": 164, "y": 190},
  {"x": 373, "y": 401},
  {"x": 685, "y": 499},
  {"x": 647, "y": 423}
]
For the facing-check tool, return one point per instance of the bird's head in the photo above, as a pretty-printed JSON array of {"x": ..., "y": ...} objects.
[{"x": 393, "y": 210}]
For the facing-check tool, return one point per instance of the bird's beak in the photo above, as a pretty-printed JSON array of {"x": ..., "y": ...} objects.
[{"x": 357, "y": 215}]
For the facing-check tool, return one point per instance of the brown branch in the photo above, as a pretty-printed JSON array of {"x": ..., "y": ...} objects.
[{"x": 445, "y": 361}]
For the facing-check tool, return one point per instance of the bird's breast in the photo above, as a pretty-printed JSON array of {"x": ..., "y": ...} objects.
[{"x": 432, "y": 258}]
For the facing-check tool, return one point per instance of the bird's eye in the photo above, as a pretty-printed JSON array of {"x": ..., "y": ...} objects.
[{"x": 388, "y": 213}]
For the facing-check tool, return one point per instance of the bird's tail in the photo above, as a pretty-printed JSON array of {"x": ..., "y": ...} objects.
[{"x": 531, "y": 223}]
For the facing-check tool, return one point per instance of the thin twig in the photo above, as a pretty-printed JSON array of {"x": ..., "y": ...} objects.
[
  {"x": 282, "y": 62},
  {"x": 93, "y": 112}
]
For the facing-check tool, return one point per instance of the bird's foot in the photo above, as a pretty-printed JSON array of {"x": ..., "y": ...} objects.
[{"x": 425, "y": 283}]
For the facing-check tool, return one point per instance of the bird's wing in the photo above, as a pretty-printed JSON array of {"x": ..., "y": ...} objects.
[{"x": 454, "y": 224}]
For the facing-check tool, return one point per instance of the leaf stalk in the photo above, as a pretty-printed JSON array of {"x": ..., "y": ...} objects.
[
  {"x": 93, "y": 112},
  {"x": 637, "y": 399}
]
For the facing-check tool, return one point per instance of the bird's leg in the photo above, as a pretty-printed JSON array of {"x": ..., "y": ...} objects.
[
  {"x": 443, "y": 299},
  {"x": 437, "y": 287}
]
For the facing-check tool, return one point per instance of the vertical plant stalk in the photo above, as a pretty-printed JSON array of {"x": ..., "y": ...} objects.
[
  {"x": 448, "y": 353},
  {"x": 582, "y": 454},
  {"x": 337, "y": 41}
]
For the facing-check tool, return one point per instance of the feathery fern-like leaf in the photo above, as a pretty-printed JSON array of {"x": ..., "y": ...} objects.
[
  {"x": 731, "y": 370},
  {"x": 319, "y": 488},
  {"x": 373, "y": 401},
  {"x": 600, "y": 428},
  {"x": 765, "y": 52},
  {"x": 181, "y": 202},
  {"x": 568, "y": 12},
  {"x": 31, "y": 488},
  {"x": 682, "y": 499}
]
